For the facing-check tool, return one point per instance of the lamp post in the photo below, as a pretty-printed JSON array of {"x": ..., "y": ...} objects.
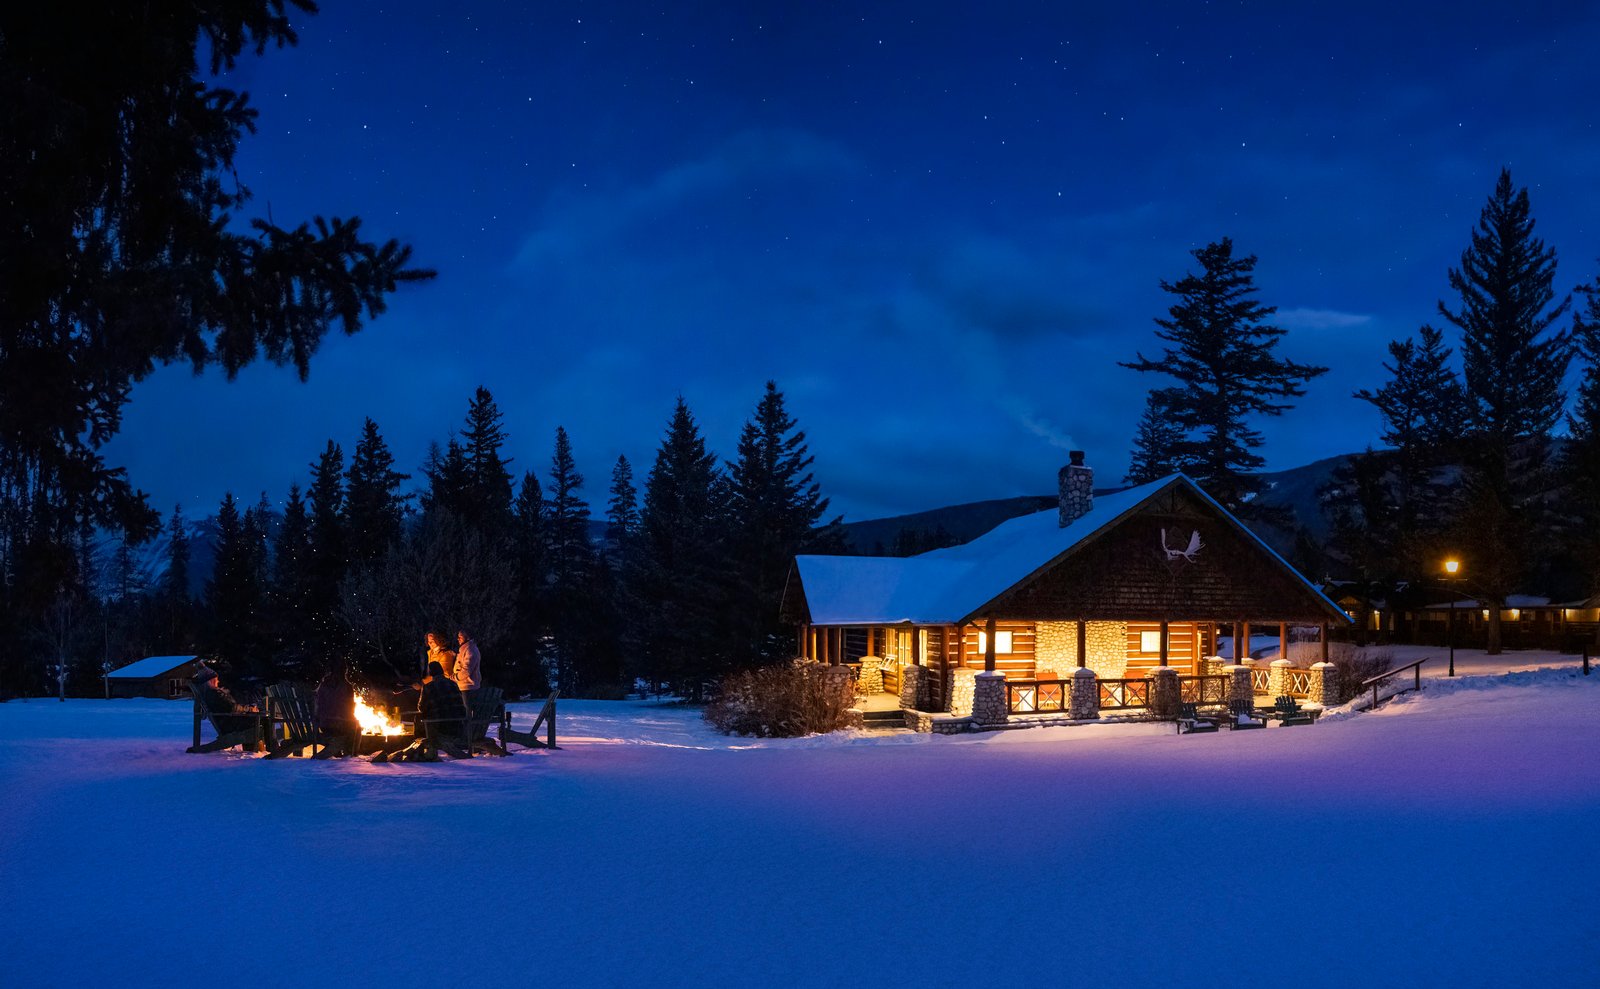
[{"x": 1452, "y": 567}]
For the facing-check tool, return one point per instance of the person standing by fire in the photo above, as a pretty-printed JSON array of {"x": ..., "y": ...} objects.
[
  {"x": 466, "y": 670},
  {"x": 437, "y": 653}
]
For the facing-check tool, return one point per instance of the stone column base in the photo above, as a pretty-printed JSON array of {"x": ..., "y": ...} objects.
[
  {"x": 911, "y": 687},
  {"x": 962, "y": 690},
  {"x": 1084, "y": 704},
  {"x": 1278, "y": 678},
  {"x": 989, "y": 699},
  {"x": 1324, "y": 684},
  {"x": 1239, "y": 687},
  {"x": 1164, "y": 693}
]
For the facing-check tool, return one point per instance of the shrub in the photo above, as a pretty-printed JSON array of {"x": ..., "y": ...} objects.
[
  {"x": 1356, "y": 665},
  {"x": 781, "y": 701}
]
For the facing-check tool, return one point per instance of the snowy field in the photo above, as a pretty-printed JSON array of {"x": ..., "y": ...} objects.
[{"x": 1448, "y": 839}]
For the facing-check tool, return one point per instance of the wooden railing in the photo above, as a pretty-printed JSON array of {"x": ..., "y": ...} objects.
[
  {"x": 1121, "y": 695},
  {"x": 1203, "y": 689},
  {"x": 1297, "y": 683},
  {"x": 1377, "y": 681},
  {"x": 1259, "y": 683},
  {"x": 1038, "y": 696}
]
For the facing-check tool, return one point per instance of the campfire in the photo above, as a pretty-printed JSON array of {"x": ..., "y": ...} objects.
[{"x": 376, "y": 722}]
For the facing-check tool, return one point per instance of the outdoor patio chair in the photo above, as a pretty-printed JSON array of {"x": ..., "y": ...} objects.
[
  {"x": 294, "y": 707},
  {"x": 1243, "y": 714},
  {"x": 1289, "y": 712},
  {"x": 1191, "y": 723},
  {"x": 247, "y": 728},
  {"x": 530, "y": 739}
]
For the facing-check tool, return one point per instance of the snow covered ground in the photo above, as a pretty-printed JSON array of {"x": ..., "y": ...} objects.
[{"x": 1447, "y": 839}]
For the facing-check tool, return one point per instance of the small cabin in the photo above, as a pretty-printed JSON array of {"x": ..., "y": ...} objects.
[
  {"x": 1122, "y": 584},
  {"x": 154, "y": 676}
]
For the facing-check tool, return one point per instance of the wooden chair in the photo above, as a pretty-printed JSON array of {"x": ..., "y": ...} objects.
[
  {"x": 294, "y": 706},
  {"x": 485, "y": 707},
  {"x": 1289, "y": 712},
  {"x": 1191, "y": 723},
  {"x": 530, "y": 739},
  {"x": 1243, "y": 714},
  {"x": 253, "y": 737}
]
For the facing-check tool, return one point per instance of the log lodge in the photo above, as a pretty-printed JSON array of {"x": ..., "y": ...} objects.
[{"x": 1097, "y": 596}]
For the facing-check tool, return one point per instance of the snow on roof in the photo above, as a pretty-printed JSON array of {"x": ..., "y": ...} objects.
[
  {"x": 1512, "y": 601},
  {"x": 151, "y": 666},
  {"x": 947, "y": 585}
]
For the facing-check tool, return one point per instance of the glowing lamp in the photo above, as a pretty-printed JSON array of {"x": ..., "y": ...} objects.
[{"x": 1451, "y": 566}]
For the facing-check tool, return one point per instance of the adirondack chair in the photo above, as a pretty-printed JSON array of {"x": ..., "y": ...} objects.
[
  {"x": 448, "y": 735},
  {"x": 530, "y": 739},
  {"x": 1191, "y": 723},
  {"x": 247, "y": 728},
  {"x": 485, "y": 707},
  {"x": 1242, "y": 714},
  {"x": 294, "y": 706},
  {"x": 1289, "y": 712}
]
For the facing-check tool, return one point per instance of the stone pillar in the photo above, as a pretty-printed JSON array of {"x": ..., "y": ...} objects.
[
  {"x": 1212, "y": 666},
  {"x": 1239, "y": 684},
  {"x": 1164, "y": 694},
  {"x": 962, "y": 690},
  {"x": 1324, "y": 684},
  {"x": 871, "y": 681},
  {"x": 1278, "y": 678},
  {"x": 989, "y": 698},
  {"x": 1085, "y": 702},
  {"x": 911, "y": 687}
]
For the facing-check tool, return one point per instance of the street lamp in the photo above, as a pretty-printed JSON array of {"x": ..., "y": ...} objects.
[{"x": 1452, "y": 567}]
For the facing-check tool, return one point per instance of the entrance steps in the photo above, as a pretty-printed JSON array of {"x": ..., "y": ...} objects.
[{"x": 883, "y": 720}]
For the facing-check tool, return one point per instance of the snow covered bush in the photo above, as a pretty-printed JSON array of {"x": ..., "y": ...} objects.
[
  {"x": 781, "y": 701},
  {"x": 1357, "y": 664}
]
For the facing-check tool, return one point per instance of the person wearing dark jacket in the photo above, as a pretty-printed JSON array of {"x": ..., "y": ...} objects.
[
  {"x": 226, "y": 712},
  {"x": 441, "y": 701},
  {"x": 336, "y": 703}
]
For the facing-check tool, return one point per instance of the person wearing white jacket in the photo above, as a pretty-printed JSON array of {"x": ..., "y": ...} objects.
[{"x": 466, "y": 673}]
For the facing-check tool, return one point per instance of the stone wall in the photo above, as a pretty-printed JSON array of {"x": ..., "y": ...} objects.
[
  {"x": 1107, "y": 644},
  {"x": 912, "y": 687},
  {"x": 1324, "y": 684},
  {"x": 989, "y": 699},
  {"x": 1075, "y": 489},
  {"x": 962, "y": 690},
  {"x": 1084, "y": 704},
  {"x": 1055, "y": 645}
]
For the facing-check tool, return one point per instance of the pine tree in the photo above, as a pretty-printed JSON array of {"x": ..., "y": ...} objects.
[
  {"x": 681, "y": 566},
  {"x": 1157, "y": 441},
  {"x": 488, "y": 477},
  {"x": 373, "y": 504},
  {"x": 233, "y": 593},
  {"x": 622, "y": 510},
  {"x": 1514, "y": 362},
  {"x": 569, "y": 559},
  {"x": 525, "y": 665},
  {"x": 1421, "y": 407},
  {"x": 449, "y": 486},
  {"x": 775, "y": 506},
  {"x": 1364, "y": 520},
  {"x": 1580, "y": 463},
  {"x": 1222, "y": 353},
  {"x": 329, "y": 558},
  {"x": 177, "y": 633},
  {"x": 289, "y": 588}
]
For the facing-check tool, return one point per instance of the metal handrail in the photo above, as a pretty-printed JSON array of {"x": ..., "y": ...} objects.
[{"x": 1374, "y": 682}]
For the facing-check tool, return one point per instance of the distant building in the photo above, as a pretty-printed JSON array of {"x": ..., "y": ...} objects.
[{"x": 154, "y": 676}]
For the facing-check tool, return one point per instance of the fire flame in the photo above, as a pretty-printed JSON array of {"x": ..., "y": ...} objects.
[{"x": 376, "y": 722}]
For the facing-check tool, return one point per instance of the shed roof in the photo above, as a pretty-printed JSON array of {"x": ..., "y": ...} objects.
[
  {"x": 150, "y": 666},
  {"x": 949, "y": 585}
]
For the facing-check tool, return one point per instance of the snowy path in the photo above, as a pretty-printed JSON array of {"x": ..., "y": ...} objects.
[{"x": 1446, "y": 839}]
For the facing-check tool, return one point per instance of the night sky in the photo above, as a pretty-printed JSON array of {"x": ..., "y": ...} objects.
[{"x": 937, "y": 226}]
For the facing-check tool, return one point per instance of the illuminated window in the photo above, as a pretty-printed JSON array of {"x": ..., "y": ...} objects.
[
  {"x": 1150, "y": 641},
  {"x": 1002, "y": 643}
]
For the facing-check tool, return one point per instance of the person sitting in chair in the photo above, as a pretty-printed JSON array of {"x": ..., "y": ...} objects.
[
  {"x": 441, "y": 701},
  {"x": 336, "y": 704},
  {"x": 227, "y": 714}
]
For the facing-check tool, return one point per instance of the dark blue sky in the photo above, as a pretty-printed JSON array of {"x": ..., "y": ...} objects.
[{"x": 937, "y": 226}]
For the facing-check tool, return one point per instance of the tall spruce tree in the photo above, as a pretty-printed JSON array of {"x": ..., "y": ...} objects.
[
  {"x": 525, "y": 662},
  {"x": 622, "y": 508},
  {"x": 1514, "y": 361},
  {"x": 775, "y": 510},
  {"x": 329, "y": 557},
  {"x": 177, "y": 633},
  {"x": 1580, "y": 463},
  {"x": 289, "y": 589},
  {"x": 569, "y": 558},
  {"x": 1157, "y": 441},
  {"x": 449, "y": 486},
  {"x": 488, "y": 474},
  {"x": 681, "y": 568},
  {"x": 1421, "y": 407},
  {"x": 233, "y": 594},
  {"x": 1360, "y": 505},
  {"x": 373, "y": 504},
  {"x": 121, "y": 250},
  {"x": 1222, "y": 352}
]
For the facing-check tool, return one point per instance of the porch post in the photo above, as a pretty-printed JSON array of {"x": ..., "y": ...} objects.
[
  {"x": 1244, "y": 638},
  {"x": 988, "y": 650},
  {"x": 1324, "y": 640},
  {"x": 1083, "y": 644},
  {"x": 805, "y": 640},
  {"x": 1283, "y": 640},
  {"x": 1165, "y": 632},
  {"x": 916, "y": 647}
]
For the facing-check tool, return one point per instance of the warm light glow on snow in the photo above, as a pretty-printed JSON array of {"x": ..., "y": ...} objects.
[{"x": 375, "y": 722}]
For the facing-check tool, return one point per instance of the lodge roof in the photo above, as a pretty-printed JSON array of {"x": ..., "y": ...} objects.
[
  {"x": 150, "y": 666},
  {"x": 948, "y": 586}
]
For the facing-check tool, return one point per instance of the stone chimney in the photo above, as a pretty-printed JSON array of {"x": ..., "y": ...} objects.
[{"x": 1076, "y": 483}]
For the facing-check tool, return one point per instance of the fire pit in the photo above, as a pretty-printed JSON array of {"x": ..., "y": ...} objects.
[{"x": 383, "y": 727}]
